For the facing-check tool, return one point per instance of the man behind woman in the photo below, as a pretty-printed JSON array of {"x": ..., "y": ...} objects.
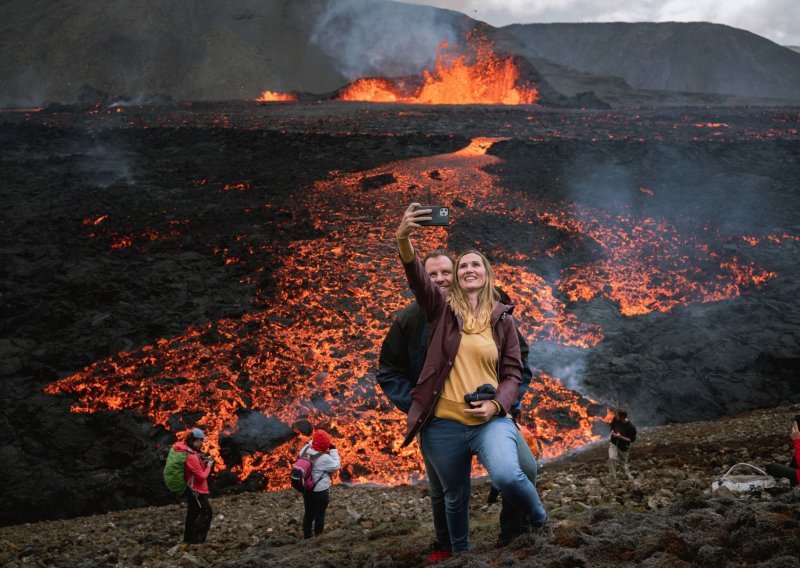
[
  {"x": 401, "y": 359},
  {"x": 473, "y": 341}
]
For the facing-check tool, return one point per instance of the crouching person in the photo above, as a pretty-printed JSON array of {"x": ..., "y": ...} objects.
[
  {"x": 788, "y": 472},
  {"x": 325, "y": 460}
]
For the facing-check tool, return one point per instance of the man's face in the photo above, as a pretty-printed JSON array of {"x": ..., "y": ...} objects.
[{"x": 440, "y": 269}]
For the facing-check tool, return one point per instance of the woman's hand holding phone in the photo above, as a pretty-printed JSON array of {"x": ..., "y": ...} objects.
[{"x": 411, "y": 220}]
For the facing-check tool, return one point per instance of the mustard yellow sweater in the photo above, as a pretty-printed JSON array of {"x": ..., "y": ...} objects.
[{"x": 475, "y": 364}]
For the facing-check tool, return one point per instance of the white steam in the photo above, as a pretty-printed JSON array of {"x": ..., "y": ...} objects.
[{"x": 373, "y": 37}]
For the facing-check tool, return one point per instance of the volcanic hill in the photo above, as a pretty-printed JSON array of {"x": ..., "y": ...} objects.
[
  {"x": 204, "y": 50},
  {"x": 692, "y": 57}
]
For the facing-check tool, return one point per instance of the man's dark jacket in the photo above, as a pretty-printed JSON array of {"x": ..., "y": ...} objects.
[{"x": 626, "y": 429}]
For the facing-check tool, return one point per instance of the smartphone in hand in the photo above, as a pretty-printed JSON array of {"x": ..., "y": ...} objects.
[{"x": 440, "y": 216}]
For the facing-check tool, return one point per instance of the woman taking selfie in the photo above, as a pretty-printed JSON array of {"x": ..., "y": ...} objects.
[{"x": 473, "y": 347}]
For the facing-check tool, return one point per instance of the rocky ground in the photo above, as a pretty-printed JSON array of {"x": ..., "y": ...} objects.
[{"x": 665, "y": 517}]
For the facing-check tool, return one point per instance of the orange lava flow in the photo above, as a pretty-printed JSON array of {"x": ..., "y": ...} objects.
[
  {"x": 648, "y": 266},
  {"x": 309, "y": 354},
  {"x": 570, "y": 424},
  {"x": 272, "y": 96},
  {"x": 478, "y": 76}
]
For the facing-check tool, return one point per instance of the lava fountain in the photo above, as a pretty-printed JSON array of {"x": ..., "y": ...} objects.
[{"x": 474, "y": 75}]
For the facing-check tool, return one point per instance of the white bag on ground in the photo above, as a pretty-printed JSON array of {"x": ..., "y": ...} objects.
[{"x": 751, "y": 483}]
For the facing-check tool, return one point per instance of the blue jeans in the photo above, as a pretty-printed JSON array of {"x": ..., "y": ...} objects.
[
  {"x": 449, "y": 446},
  {"x": 527, "y": 461},
  {"x": 437, "y": 504}
]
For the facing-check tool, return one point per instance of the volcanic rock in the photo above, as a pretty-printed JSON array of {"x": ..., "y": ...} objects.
[{"x": 665, "y": 517}]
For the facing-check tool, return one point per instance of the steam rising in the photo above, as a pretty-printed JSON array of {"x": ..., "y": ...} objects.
[
  {"x": 104, "y": 166},
  {"x": 367, "y": 38},
  {"x": 257, "y": 431}
]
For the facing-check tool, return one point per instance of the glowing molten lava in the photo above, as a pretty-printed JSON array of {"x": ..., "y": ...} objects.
[
  {"x": 271, "y": 96},
  {"x": 647, "y": 265},
  {"x": 373, "y": 90},
  {"x": 477, "y": 77},
  {"x": 307, "y": 357}
]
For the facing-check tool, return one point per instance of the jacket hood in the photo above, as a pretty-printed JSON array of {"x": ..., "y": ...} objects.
[
  {"x": 181, "y": 446},
  {"x": 501, "y": 309}
]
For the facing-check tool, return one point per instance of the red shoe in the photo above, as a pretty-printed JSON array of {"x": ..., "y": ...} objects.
[{"x": 439, "y": 556}]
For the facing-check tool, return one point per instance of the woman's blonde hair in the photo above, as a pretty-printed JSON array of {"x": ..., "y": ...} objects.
[{"x": 487, "y": 298}]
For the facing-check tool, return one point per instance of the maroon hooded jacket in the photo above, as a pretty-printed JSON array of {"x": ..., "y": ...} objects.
[{"x": 443, "y": 342}]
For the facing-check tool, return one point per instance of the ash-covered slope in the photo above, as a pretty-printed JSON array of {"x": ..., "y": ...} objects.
[
  {"x": 664, "y": 518},
  {"x": 695, "y": 57},
  {"x": 198, "y": 49},
  {"x": 207, "y": 50}
]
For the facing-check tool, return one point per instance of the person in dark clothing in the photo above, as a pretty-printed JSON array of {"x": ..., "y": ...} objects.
[
  {"x": 402, "y": 355},
  {"x": 788, "y": 472},
  {"x": 623, "y": 434}
]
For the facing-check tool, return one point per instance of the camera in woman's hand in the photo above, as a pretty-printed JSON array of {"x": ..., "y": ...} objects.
[{"x": 483, "y": 392}]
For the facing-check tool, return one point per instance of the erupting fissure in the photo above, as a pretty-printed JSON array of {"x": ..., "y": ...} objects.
[
  {"x": 271, "y": 96},
  {"x": 474, "y": 75},
  {"x": 307, "y": 356}
]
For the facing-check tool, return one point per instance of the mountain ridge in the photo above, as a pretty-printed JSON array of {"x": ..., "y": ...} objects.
[
  {"x": 664, "y": 56},
  {"x": 203, "y": 50}
]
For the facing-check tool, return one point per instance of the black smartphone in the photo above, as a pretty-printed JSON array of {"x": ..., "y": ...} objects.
[
  {"x": 797, "y": 420},
  {"x": 440, "y": 216}
]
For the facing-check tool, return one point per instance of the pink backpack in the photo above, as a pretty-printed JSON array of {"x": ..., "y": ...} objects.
[{"x": 300, "y": 476}]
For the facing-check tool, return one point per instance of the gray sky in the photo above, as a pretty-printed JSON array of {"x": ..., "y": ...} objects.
[{"x": 777, "y": 20}]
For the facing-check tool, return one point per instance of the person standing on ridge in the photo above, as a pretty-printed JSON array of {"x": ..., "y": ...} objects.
[
  {"x": 199, "y": 513},
  {"x": 623, "y": 434},
  {"x": 326, "y": 460}
]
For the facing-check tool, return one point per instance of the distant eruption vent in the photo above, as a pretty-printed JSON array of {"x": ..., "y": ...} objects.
[
  {"x": 474, "y": 75},
  {"x": 271, "y": 96},
  {"x": 478, "y": 76}
]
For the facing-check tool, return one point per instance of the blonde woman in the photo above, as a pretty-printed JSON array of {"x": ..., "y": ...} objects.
[{"x": 473, "y": 342}]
